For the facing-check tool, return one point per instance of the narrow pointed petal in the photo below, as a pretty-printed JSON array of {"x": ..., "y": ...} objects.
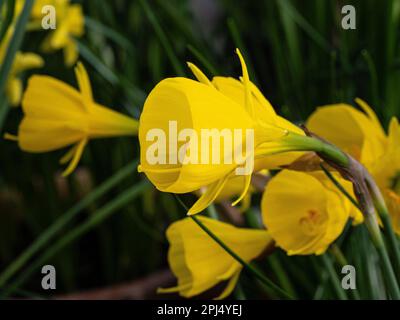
[
  {"x": 229, "y": 288},
  {"x": 77, "y": 156},
  {"x": 246, "y": 187},
  {"x": 208, "y": 196},
  {"x": 199, "y": 74}
]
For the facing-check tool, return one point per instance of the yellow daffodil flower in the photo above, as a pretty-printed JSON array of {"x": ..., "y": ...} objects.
[
  {"x": 70, "y": 25},
  {"x": 57, "y": 115},
  {"x": 358, "y": 133},
  {"x": 362, "y": 135},
  {"x": 223, "y": 104},
  {"x": 200, "y": 263},
  {"x": 305, "y": 212},
  {"x": 22, "y": 61},
  {"x": 386, "y": 172}
]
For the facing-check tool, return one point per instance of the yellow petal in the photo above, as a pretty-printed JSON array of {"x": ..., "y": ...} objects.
[
  {"x": 246, "y": 81},
  {"x": 71, "y": 53},
  {"x": 193, "y": 253},
  {"x": 247, "y": 181},
  {"x": 77, "y": 156},
  {"x": 26, "y": 61},
  {"x": 208, "y": 196},
  {"x": 191, "y": 105},
  {"x": 14, "y": 91},
  {"x": 349, "y": 129},
  {"x": 54, "y": 115},
  {"x": 302, "y": 215},
  {"x": 199, "y": 74},
  {"x": 229, "y": 288},
  {"x": 84, "y": 83}
]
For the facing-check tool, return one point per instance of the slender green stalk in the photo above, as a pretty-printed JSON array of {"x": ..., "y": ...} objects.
[
  {"x": 388, "y": 273},
  {"x": 163, "y": 38},
  {"x": 109, "y": 32},
  {"x": 334, "y": 278},
  {"x": 9, "y": 14},
  {"x": 363, "y": 191},
  {"x": 212, "y": 212},
  {"x": 13, "y": 47},
  {"x": 281, "y": 275},
  {"x": 273, "y": 260},
  {"x": 393, "y": 241},
  {"x": 383, "y": 212},
  {"x": 239, "y": 43},
  {"x": 324, "y": 149},
  {"x": 340, "y": 187},
  {"x": 106, "y": 211},
  {"x": 342, "y": 261},
  {"x": 305, "y": 25},
  {"x": 64, "y": 219},
  {"x": 374, "y": 78},
  {"x": 239, "y": 293},
  {"x": 254, "y": 271},
  {"x": 4, "y": 110}
]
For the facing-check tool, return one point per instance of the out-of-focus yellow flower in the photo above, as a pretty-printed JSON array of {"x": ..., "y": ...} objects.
[
  {"x": 224, "y": 104},
  {"x": 357, "y": 133},
  {"x": 70, "y": 25},
  {"x": 200, "y": 263},
  {"x": 22, "y": 61},
  {"x": 57, "y": 115},
  {"x": 362, "y": 135},
  {"x": 304, "y": 212},
  {"x": 386, "y": 172}
]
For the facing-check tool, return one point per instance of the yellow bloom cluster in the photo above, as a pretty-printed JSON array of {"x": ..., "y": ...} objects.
[
  {"x": 302, "y": 213},
  {"x": 69, "y": 25},
  {"x": 22, "y": 61},
  {"x": 361, "y": 135}
]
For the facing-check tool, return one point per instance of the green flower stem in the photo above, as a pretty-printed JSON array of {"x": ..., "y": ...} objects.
[
  {"x": 212, "y": 212},
  {"x": 342, "y": 261},
  {"x": 103, "y": 213},
  {"x": 64, "y": 219},
  {"x": 297, "y": 142},
  {"x": 13, "y": 47},
  {"x": 388, "y": 273},
  {"x": 368, "y": 196},
  {"x": 383, "y": 212},
  {"x": 393, "y": 241},
  {"x": 334, "y": 277},
  {"x": 340, "y": 187},
  {"x": 252, "y": 220},
  {"x": 254, "y": 271}
]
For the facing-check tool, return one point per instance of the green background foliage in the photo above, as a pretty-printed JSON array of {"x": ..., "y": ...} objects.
[{"x": 300, "y": 58}]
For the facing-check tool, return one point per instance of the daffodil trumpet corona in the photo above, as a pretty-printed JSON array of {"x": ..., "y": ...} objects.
[
  {"x": 360, "y": 134},
  {"x": 56, "y": 116},
  {"x": 192, "y": 255},
  {"x": 234, "y": 115},
  {"x": 305, "y": 212}
]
